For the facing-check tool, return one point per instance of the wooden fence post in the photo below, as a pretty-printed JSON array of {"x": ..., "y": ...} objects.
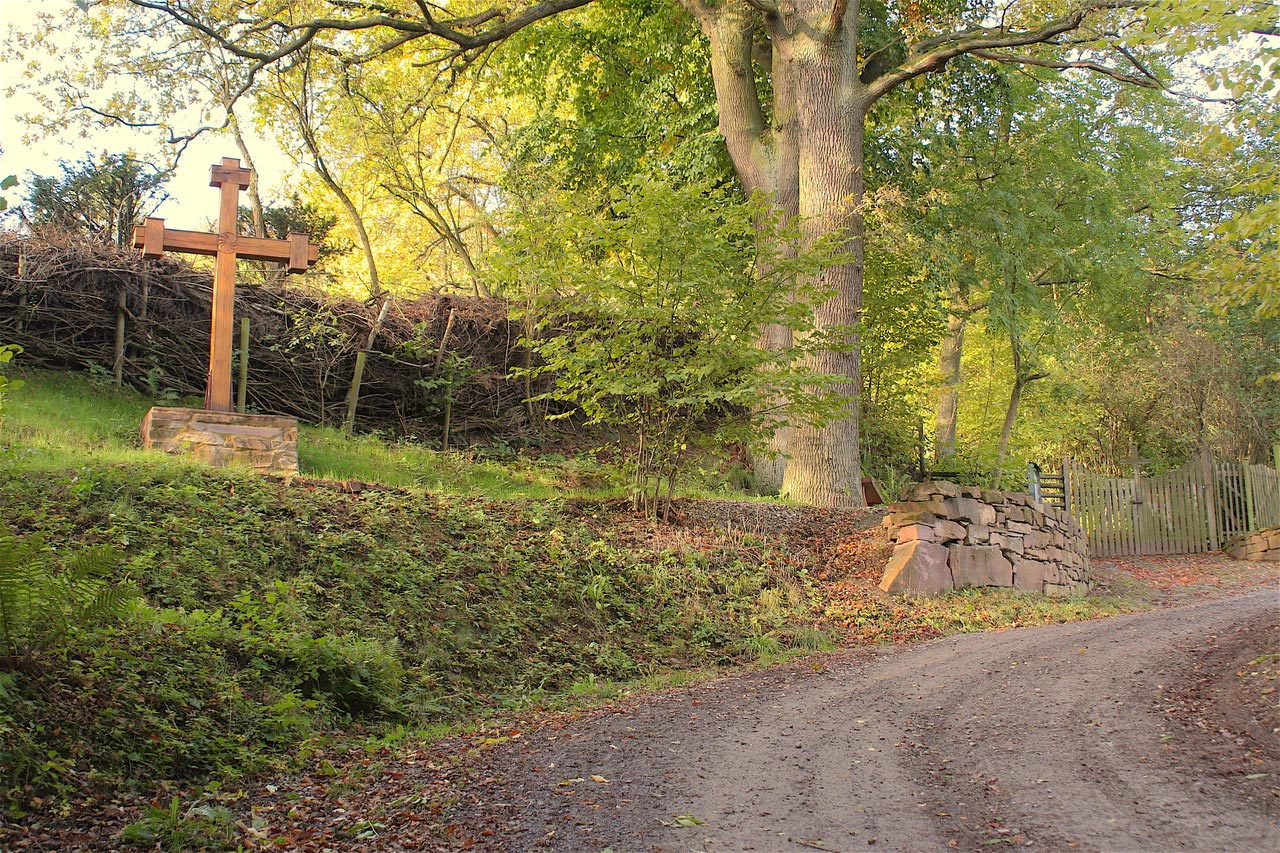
[
  {"x": 242, "y": 383},
  {"x": 1250, "y": 505},
  {"x": 117, "y": 362},
  {"x": 1209, "y": 485},
  {"x": 448, "y": 400}
]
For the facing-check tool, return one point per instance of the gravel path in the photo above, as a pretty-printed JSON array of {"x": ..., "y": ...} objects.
[{"x": 1102, "y": 735}]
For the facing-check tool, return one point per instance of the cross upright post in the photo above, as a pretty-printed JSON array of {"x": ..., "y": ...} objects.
[
  {"x": 226, "y": 246},
  {"x": 229, "y": 178}
]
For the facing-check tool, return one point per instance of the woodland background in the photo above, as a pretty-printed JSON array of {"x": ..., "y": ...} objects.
[{"x": 1057, "y": 262}]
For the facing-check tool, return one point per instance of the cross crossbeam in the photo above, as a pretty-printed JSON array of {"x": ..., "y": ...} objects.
[{"x": 297, "y": 253}]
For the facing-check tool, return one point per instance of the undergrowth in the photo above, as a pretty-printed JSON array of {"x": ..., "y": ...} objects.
[{"x": 271, "y": 613}]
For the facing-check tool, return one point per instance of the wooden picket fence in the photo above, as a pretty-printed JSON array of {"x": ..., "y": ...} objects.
[{"x": 1192, "y": 510}]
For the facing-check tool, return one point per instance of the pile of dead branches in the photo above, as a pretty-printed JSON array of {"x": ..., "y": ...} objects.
[{"x": 72, "y": 304}]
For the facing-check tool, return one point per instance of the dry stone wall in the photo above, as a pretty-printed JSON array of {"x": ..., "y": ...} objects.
[
  {"x": 947, "y": 537},
  {"x": 1261, "y": 545}
]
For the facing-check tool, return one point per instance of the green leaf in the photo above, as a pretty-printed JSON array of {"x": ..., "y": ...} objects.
[{"x": 683, "y": 821}]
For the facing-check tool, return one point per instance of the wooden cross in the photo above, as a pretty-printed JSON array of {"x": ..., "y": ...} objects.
[
  {"x": 1136, "y": 462},
  {"x": 227, "y": 245}
]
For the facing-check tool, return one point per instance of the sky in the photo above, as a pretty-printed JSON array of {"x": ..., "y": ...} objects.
[{"x": 193, "y": 203}]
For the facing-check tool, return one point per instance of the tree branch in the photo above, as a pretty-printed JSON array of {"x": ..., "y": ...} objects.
[
  {"x": 425, "y": 24},
  {"x": 1087, "y": 65},
  {"x": 932, "y": 54}
]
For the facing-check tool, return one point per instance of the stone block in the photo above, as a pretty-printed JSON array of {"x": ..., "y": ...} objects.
[
  {"x": 917, "y": 568},
  {"x": 1029, "y": 575},
  {"x": 970, "y": 491},
  {"x": 979, "y": 565},
  {"x": 979, "y": 534},
  {"x": 949, "y": 531},
  {"x": 969, "y": 509},
  {"x": 911, "y": 532},
  {"x": 1016, "y": 513},
  {"x": 928, "y": 490},
  {"x": 1038, "y": 539},
  {"x": 946, "y": 489},
  {"x": 902, "y": 519},
  {"x": 1019, "y": 527},
  {"x": 1011, "y": 542},
  {"x": 265, "y": 443},
  {"x": 1059, "y": 590}
]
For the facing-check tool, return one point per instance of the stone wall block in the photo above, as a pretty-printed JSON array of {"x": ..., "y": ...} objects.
[
  {"x": 979, "y": 534},
  {"x": 1038, "y": 539},
  {"x": 949, "y": 531},
  {"x": 265, "y": 443},
  {"x": 980, "y": 565},
  {"x": 950, "y": 536},
  {"x": 923, "y": 532},
  {"x": 917, "y": 568},
  {"x": 969, "y": 509},
  {"x": 902, "y": 519},
  {"x": 1029, "y": 576}
]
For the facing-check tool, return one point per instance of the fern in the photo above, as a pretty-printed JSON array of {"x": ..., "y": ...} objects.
[{"x": 40, "y": 603}]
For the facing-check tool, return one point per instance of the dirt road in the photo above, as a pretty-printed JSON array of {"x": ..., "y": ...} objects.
[{"x": 1127, "y": 733}]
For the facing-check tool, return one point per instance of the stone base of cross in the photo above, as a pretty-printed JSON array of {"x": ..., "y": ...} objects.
[
  {"x": 297, "y": 253},
  {"x": 216, "y": 434}
]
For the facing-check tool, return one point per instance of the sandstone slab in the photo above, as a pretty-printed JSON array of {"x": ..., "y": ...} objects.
[
  {"x": 917, "y": 568},
  {"x": 980, "y": 565}
]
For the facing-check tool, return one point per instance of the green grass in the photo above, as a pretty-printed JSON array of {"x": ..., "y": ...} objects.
[
  {"x": 271, "y": 614},
  {"x": 59, "y": 421}
]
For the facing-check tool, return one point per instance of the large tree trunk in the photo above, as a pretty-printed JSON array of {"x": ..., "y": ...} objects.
[
  {"x": 810, "y": 158},
  {"x": 825, "y": 467}
]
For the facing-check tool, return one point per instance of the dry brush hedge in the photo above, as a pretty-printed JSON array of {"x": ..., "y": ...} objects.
[{"x": 61, "y": 295}]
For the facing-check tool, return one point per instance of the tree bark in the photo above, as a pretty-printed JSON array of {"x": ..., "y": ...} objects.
[
  {"x": 811, "y": 160},
  {"x": 826, "y": 465},
  {"x": 950, "y": 360},
  {"x": 255, "y": 197},
  {"x": 1021, "y": 379}
]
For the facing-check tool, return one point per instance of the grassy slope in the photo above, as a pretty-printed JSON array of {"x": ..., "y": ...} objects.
[
  {"x": 274, "y": 614},
  {"x": 273, "y": 611}
]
